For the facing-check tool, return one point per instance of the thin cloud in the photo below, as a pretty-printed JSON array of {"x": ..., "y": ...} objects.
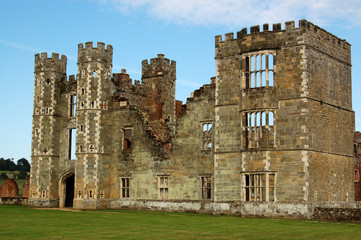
[
  {"x": 30, "y": 48},
  {"x": 188, "y": 83},
  {"x": 242, "y": 12}
]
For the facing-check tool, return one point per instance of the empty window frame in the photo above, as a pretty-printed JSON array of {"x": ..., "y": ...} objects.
[
  {"x": 258, "y": 187},
  {"x": 207, "y": 135},
  {"x": 258, "y": 127},
  {"x": 127, "y": 139},
  {"x": 259, "y": 70},
  {"x": 72, "y": 106},
  {"x": 206, "y": 187},
  {"x": 163, "y": 182},
  {"x": 125, "y": 187},
  {"x": 72, "y": 143}
]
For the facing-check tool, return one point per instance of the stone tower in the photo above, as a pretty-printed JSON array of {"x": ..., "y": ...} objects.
[
  {"x": 94, "y": 87},
  {"x": 158, "y": 80},
  {"x": 286, "y": 99},
  {"x": 50, "y": 75}
]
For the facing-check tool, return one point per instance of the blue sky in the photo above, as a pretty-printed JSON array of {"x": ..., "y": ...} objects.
[{"x": 183, "y": 30}]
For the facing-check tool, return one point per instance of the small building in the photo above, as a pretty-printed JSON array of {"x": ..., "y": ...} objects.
[{"x": 270, "y": 135}]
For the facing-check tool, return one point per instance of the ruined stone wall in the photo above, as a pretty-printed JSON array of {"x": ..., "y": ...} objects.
[{"x": 190, "y": 159}]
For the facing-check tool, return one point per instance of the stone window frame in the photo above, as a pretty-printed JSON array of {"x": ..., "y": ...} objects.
[
  {"x": 163, "y": 186},
  {"x": 255, "y": 121},
  {"x": 206, "y": 187},
  {"x": 126, "y": 139},
  {"x": 43, "y": 193},
  {"x": 125, "y": 187},
  {"x": 207, "y": 135},
  {"x": 357, "y": 175},
  {"x": 91, "y": 194},
  {"x": 72, "y": 105},
  {"x": 259, "y": 186},
  {"x": 259, "y": 69},
  {"x": 71, "y": 147}
]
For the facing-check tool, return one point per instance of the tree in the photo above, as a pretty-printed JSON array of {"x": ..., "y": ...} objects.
[
  {"x": 3, "y": 176},
  {"x": 22, "y": 175},
  {"x": 12, "y": 168},
  {"x": 23, "y": 165}
]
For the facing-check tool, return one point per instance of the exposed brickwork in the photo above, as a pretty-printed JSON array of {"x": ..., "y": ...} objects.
[
  {"x": 26, "y": 186},
  {"x": 271, "y": 134},
  {"x": 9, "y": 188}
]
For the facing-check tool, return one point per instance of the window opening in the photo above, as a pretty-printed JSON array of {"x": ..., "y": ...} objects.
[
  {"x": 206, "y": 187},
  {"x": 72, "y": 143},
  {"x": 72, "y": 105},
  {"x": 258, "y": 187},
  {"x": 258, "y": 123},
  {"x": 48, "y": 81},
  {"x": 259, "y": 70},
  {"x": 258, "y": 129},
  {"x": 270, "y": 119},
  {"x": 82, "y": 91},
  {"x": 127, "y": 140},
  {"x": 163, "y": 186},
  {"x": 92, "y": 104},
  {"x": 90, "y": 194},
  {"x": 263, "y": 116},
  {"x": 207, "y": 136},
  {"x": 94, "y": 73},
  {"x": 125, "y": 187}
]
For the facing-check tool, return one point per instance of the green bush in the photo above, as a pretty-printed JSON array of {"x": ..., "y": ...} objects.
[{"x": 3, "y": 176}]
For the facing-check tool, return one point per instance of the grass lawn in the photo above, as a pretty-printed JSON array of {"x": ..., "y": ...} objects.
[{"x": 20, "y": 222}]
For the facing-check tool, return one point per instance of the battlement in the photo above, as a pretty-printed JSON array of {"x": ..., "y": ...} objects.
[
  {"x": 54, "y": 56},
  {"x": 53, "y": 63},
  {"x": 95, "y": 53},
  {"x": 159, "y": 66},
  {"x": 100, "y": 45},
  {"x": 304, "y": 26}
]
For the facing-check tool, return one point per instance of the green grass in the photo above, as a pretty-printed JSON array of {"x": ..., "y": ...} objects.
[{"x": 20, "y": 222}]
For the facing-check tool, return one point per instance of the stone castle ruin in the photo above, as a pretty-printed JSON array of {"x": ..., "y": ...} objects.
[{"x": 271, "y": 134}]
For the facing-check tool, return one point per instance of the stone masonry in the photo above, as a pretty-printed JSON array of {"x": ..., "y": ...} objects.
[{"x": 270, "y": 135}]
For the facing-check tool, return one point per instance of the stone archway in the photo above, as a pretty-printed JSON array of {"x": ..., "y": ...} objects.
[{"x": 66, "y": 189}]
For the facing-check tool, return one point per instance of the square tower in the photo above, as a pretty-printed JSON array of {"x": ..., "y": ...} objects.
[{"x": 284, "y": 119}]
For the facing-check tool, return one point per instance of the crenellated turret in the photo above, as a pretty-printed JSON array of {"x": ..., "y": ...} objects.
[
  {"x": 94, "y": 89},
  {"x": 50, "y": 75},
  {"x": 158, "y": 80}
]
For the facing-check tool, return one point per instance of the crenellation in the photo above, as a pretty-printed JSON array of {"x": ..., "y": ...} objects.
[
  {"x": 276, "y": 27},
  {"x": 290, "y": 25},
  {"x": 255, "y": 29},
  {"x": 265, "y": 27},
  {"x": 229, "y": 36}
]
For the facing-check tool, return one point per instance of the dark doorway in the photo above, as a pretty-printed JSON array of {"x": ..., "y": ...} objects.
[{"x": 69, "y": 192}]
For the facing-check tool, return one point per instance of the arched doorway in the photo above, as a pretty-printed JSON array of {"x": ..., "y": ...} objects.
[{"x": 66, "y": 190}]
